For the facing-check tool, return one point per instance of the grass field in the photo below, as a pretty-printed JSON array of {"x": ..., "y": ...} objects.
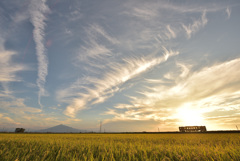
[{"x": 119, "y": 147}]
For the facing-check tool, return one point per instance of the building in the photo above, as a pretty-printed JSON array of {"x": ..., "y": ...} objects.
[{"x": 192, "y": 129}]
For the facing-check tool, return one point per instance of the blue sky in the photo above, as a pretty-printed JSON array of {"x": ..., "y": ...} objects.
[{"x": 134, "y": 65}]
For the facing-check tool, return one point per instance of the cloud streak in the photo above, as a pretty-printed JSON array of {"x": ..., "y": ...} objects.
[
  {"x": 210, "y": 90},
  {"x": 95, "y": 30},
  {"x": 196, "y": 26},
  {"x": 228, "y": 11},
  {"x": 171, "y": 33},
  {"x": 8, "y": 68},
  {"x": 38, "y": 10},
  {"x": 97, "y": 90},
  {"x": 93, "y": 50}
]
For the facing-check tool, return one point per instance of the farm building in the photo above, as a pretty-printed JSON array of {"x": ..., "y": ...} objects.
[{"x": 192, "y": 129}]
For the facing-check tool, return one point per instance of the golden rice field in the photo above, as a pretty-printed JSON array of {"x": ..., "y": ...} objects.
[{"x": 119, "y": 147}]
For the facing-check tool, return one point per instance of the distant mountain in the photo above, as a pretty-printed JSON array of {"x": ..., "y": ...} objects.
[{"x": 60, "y": 129}]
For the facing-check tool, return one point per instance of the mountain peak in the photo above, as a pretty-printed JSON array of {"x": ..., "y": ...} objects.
[
  {"x": 61, "y": 125},
  {"x": 60, "y": 129}
]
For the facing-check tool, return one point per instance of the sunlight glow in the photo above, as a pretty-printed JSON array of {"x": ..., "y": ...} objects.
[{"x": 190, "y": 117}]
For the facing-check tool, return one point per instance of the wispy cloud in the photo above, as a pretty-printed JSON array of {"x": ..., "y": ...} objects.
[
  {"x": 96, "y": 29},
  {"x": 120, "y": 62},
  {"x": 7, "y": 120},
  {"x": 197, "y": 24},
  {"x": 144, "y": 12},
  {"x": 185, "y": 69},
  {"x": 228, "y": 11},
  {"x": 97, "y": 90},
  {"x": 17, "y": 106},
  {"x": 38, "y": 11},
  {"x": 94, "y": 46},
  {"x": 211, "y": 89},
  {"x": 93, "y": 50},
  {"x": 171, "y": 33},
  {"x": 193, "y": 7},
  {"x": 20, "y": 17},
  {"x": 8, "y": 68},
  {"x": 15, "y": 111}
]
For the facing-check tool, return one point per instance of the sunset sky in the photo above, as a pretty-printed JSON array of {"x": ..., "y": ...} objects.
[{"x": 135, "y": 65}]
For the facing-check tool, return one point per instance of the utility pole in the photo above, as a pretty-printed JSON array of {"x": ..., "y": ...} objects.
[
  {"x": 100, "y": 126},
  {"x": 237, "y": 127}
]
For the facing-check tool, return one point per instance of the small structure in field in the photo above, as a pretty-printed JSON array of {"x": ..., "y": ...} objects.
[
  {"x": 19, "y": 130},
  {"x": 192, "y": 129}
]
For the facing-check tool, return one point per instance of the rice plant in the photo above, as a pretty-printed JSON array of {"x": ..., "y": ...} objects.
[{"x": 119, "y": 147}]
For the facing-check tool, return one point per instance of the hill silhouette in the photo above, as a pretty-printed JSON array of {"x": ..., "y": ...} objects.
[{"x": 60, "y": 129}]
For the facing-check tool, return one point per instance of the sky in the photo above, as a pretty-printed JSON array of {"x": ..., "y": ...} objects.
[{"x": 133, "y": 65}]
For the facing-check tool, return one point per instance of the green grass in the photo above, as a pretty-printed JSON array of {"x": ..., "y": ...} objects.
[{"x": 119, "y": 147}]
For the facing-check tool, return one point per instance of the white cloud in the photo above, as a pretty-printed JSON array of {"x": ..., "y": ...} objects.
[
  {"x": 20, "y": 17},
  {"x": 185, "y": 69},
  {"x": 5, "y": 119},
  {"x": 171, "y": 33},
  {"x": 210, "y": 90},
  {"x": 95, "y": 30},
  {"x": 8, "y": 68},
  {"x": 94, "y": 51},
  {"x": 97, "y": 90},
  {"x": 114, "y": 53},
  {"x": 16, "y": 111},
  {"x": 228, "y": 11},
  {"x": 38, "y": 10},
  {"x": 17, "y": 106},
  {"x": 158, "y": 81},
  {"x": 8, "y": 119},
  {"x": 144, "y": 12},
  {"x": 95, "y": 46},
  {"x": 196, "y": 26},
  {"x": 76, "y": 105}
]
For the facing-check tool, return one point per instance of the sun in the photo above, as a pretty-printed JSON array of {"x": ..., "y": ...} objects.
[{"x": 190, "y": 117}]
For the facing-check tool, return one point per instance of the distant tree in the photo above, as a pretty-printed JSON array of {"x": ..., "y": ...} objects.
[{"x": 19, "y": 130}]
